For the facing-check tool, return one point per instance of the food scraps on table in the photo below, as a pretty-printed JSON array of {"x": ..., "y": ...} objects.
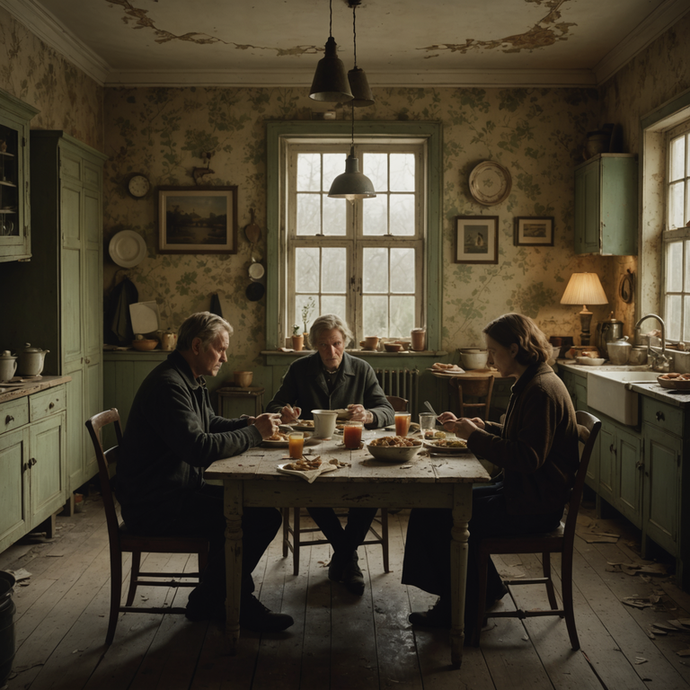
[{"x": 304, "y": 465}]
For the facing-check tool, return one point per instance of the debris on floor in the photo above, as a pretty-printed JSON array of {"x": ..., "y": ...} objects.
[
  {"x": 637, "y": 568},
  {"x": 641, "y": 602}
]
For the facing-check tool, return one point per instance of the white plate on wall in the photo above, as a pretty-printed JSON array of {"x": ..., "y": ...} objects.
[
  {"x": 127, "y": 248},
  {"x": 490, "y": 183}
]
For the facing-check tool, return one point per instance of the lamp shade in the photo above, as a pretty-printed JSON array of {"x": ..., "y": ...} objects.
[
  {"x": 584, "y": 288},
  {"x": 330, "y": 82},
  {"x": 359, "y": 85},
  {"x": 352, "y": 184}
]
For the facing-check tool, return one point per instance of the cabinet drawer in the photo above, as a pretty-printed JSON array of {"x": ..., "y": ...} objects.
[
  {"x": 666, "y": 417},
  {"x": 14, "y": 414},
  {"x": 47, "y": 403}
]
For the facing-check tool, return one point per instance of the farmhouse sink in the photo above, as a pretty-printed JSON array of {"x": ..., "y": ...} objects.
[{"x": 610, "y": 392}]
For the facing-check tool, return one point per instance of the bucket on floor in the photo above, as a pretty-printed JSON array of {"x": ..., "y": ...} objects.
[{"x": 7, "y": 609}]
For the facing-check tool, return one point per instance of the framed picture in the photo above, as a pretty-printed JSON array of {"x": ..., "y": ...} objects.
[
  {"x": 534, "y": 232},
  {"x": 476, "y": 240},
  {"x": 197, "y": 220}
]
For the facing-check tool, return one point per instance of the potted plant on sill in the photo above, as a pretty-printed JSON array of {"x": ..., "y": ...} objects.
[
  {"x": 307, "y": 310},
  {"x": 297, "y": 338}
]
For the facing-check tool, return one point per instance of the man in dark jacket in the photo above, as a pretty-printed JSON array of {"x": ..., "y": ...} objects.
[
  {"x": 172, "y": 434},
  {"x": 331, "y": 379}
]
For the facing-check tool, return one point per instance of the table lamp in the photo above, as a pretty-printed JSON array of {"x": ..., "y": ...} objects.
[{"x": 584, "y": 289}]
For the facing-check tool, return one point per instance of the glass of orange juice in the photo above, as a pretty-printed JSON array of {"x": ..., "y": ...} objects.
[
  {"x": 352, "y": 435},
  {"x": 296, "y": 444},
  {"x": 402, "y": 423}
]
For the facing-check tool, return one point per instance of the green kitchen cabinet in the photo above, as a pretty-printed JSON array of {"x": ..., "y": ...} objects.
[
  {"x": 15, "y": 213},
  {"x": 57, "y": 296},
  {"x": 606, "y": 210}
]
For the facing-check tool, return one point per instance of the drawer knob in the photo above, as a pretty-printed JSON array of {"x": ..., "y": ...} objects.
[
  {"x": 660, "y": 417},
  {"x": 51, "y": 406},
  {"x": 9, "y": 419},
  {"x": 32, "y": 462}
]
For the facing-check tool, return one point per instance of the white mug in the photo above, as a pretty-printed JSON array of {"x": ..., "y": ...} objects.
[{"x": 324, "y": 423}]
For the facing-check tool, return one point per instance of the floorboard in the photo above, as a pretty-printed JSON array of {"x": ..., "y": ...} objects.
[{"x": 339, "y": 641}]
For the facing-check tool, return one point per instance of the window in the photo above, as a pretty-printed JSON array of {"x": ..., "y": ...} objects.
[
  {"x": 676, "y": 236},
  {"x": 363, "y": 260}
]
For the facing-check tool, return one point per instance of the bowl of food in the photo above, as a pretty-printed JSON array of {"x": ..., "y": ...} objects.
[
  {"x": 394, "y": 448},
  {"x": 144, "y": 344},
  {"x": 675, "y": 381},
  {"x": 392, "y": 347}
]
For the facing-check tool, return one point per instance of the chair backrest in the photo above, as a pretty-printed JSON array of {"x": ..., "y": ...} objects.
[
  {"x": 588, "y": 427},
  {"x": 398, "y": 404},
  {"x": 476, "y": 387},
  {"x": 94, "y": 425}
]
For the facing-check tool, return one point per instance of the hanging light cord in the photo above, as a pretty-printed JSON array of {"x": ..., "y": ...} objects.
[
  {"x": 330, "y": 20},
  {"x": 354, "y": 31}
]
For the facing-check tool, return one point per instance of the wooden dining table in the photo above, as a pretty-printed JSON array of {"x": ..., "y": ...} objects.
[{"x": 253, "y": 479}]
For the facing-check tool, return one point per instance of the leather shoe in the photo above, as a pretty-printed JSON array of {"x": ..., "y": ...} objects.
[
  {"x": 255, "y": 616},
  {"x": 352, "y": 576},
  {"x": 336, "y": 567},
  {"x": 493, "y": 597},
  {"x": 438, "y": 616}
]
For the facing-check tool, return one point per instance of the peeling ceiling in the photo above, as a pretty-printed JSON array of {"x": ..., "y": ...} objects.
[{"x": 399, "y": 42}]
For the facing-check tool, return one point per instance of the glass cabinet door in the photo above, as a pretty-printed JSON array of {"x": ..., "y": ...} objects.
[{"x": 9, "y": 201}]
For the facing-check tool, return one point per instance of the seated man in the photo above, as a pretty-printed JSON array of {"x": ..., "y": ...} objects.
[
  {"x": 327, "y": 380},
  {"x": 172, "y": 434}
]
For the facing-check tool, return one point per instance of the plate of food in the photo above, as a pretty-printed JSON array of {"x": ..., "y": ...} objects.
[
  {"x": 303, "y": 425},
  {"x": 448, "y": 445},
  {"x": 280, "y": 440},
  {"x": 307, "y": 469},
  {"x": 675, "y": 381}
]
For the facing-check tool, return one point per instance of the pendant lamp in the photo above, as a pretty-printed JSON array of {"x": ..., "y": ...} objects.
[
  {"x": 330, "y": 84},
  {"x": 359, "y": 85}
]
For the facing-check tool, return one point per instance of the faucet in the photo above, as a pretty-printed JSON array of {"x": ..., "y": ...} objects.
[{"x": 658, "y": 360}]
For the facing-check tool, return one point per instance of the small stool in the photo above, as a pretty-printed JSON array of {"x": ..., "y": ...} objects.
[{"x": 235, "y": 401}]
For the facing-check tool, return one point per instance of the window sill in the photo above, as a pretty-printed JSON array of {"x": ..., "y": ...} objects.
[{"x": 277, "y": 356}]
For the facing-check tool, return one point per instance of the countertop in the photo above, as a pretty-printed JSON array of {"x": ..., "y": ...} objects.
[{"x": 29, "y": 386}]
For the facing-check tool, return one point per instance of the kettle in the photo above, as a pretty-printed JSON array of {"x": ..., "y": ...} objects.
[
  {"x": 619, "y": 351},
  {"x": 608, "y": 331},
  {"x": 31, "y": 360}
]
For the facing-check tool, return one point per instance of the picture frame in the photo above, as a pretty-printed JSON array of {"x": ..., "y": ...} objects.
[
  {"x": 197, "y": 220},
  {"x": 476, "y": 240},
  {"x": 533, "y": 232}
]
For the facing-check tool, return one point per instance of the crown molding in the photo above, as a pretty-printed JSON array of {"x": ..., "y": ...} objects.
[{"x": 635, "y": 42}]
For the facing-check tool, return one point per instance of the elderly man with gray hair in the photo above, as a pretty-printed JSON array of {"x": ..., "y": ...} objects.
[
  {"x": 332, "y": 379},
  {"x": 172, "y": 434}
]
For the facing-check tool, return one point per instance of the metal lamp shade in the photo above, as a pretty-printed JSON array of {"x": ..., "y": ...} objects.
[
  {"x": 330, "y": 84},
  {"x": 352, "y": 184},
  {"x": 361, "y": 93}
]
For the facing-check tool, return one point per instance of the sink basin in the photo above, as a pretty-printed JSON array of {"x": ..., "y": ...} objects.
[{"x": 609, "y": 392}]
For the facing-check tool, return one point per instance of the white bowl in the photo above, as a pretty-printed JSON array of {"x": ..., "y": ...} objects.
[
  {"x": 590, "y": 361},
  {"x": 395, "y": 453},
  {"x": 474, "y": 360}
]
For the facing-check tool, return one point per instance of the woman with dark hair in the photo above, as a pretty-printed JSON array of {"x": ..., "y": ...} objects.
[{"x": 536, "y": 448}]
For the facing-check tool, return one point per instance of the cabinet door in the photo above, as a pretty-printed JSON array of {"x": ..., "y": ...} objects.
[
  {"x": 608, "y": 465},
  {"x": 72, "y": 278},
  {"x": 47, "y": 448},
  {"x": 587, "y": 200},
  {"x": 14, "y": 497},
  {"x": 662, "y": 487},
  {"x": 76, "y": 430},
  {"x": 628, "y": 452}
]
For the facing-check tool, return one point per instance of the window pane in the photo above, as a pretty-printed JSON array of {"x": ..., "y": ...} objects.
[
  {"x": 674, "y": 267},
  {"x": 333, "y": 304},
  {"x": 375, "y": 213},
  {"x": 686, "y": 287},
  {"x": 402, "y": 270},
  {"x": 402, "y": 214},
  {"x": 375, "y": 321},
  {"x": 673, "y": 314},
  {"x": 307, "y": 269},
  {"x": 333, "y": 165},
  {"x": 686, "y": 319},
  {"x": 677, "y": 163},
  {"x": 308, "y": 172},
  {"x": 309, "y": 302},
  {"x": 308, "y": 214},
  {"x": 375, "y": 167},
  {"x": 375, "y": 270},
  {"x": 676, "y": 210},
  {"x": 334, "y": 270},
  {"x": 402, "y": 172},
  {"x": 402, "y": 316},
  {"x": 334, "y": 216}
]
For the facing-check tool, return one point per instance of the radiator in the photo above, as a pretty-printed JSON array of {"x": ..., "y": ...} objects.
[{"x": 401, "y": 382}]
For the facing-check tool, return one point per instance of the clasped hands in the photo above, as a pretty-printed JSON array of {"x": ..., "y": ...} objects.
[
  {"x": 460, "y": 426},
  {"x": 358, "y": 413}
]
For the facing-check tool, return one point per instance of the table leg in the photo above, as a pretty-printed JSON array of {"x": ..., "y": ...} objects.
[
  {"x": 232, "y": 506},
  {"x": 462, "y": 511}
]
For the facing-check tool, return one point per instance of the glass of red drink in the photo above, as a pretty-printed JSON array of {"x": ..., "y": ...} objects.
[
  {"x": 352, "y": 435},
  {"x": 402, "y": 423}
]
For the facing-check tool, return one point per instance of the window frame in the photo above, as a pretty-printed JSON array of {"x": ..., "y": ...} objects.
[{"x": 279, "y": 136}]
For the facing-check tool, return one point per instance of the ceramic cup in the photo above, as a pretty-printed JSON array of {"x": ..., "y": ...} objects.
[
  {"x": 371, "y": 342},
  {"x": 243, "y": 378},
  {"x": 324, "y": 423}
]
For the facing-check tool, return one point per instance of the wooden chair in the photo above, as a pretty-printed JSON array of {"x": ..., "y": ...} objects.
[
  {"x": 480, "y": 387},
  {"x": 398, "y": 404},
  {"x": 122, "y": 541},
  {"x": 560, "y": 541}
]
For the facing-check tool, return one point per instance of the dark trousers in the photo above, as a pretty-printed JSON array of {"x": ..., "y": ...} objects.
[
  {"x": 344, "y": 541},
  {"x": 427, "y": 548},
  {"x": 203, "y": 516}
]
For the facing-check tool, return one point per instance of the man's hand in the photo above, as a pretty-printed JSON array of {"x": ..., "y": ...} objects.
[
  {"x": 290, "y": 414},
  {"x": 359, "y": 414},
  {"x": 267, "y": 424}
]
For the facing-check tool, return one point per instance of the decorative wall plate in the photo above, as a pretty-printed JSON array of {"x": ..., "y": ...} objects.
[
  {"x": 490, "y": 183},
  {"x": 127, "y": 248}
]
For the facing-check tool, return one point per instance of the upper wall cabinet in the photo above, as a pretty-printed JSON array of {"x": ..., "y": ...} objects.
[
  {"x": 15, "y": 227},
  {"x": 606, "y": 205}
]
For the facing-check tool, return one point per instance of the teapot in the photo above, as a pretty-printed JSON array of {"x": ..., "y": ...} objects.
[
  {"x": 619, "y": 351},
  {"x": 31, "y": 360},
  {"x": 8, "y": 366}
]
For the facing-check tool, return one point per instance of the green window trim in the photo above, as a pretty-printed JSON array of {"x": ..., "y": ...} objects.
[{"x": 278, "y": 132}]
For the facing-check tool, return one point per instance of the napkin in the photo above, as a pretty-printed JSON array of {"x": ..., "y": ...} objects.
[{"x": 310, "y": 475}]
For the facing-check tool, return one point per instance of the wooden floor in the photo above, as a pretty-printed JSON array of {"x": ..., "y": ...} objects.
[{"x": 339, "y": 641}]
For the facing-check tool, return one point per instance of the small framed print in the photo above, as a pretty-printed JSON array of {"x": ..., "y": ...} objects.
[
  {"x": 476, "y": 240},
  {"x": 197, "y": 220},
  {"x": 532, "y": 232}
]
